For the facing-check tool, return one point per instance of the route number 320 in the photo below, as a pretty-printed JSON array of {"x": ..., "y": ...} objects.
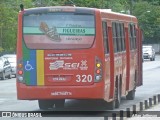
[{"x": 83, "y": 78}]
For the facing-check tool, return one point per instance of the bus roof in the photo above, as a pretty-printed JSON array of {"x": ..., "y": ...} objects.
[
  {"x": 82, "y": 9},
  {"x": 116, "y": 13}
]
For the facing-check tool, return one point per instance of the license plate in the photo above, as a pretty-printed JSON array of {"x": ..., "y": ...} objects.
[{"x": 59, "y": 78}]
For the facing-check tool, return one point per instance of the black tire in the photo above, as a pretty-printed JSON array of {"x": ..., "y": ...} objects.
[
  {"x": 3, "y": 76},
  {"x": 59, "y": 103},
  {"x": 154, "y": 58},
  {"x": 44, "y": 104},
  {"x": 9, "y": 76},
  {"x": 50, "y": 104},
  {"x": 111, "y": 105},
  {"x": 117, "y": 94},
  {"x": 117, "y": 98},
  {"x": 131, "y": 95}
]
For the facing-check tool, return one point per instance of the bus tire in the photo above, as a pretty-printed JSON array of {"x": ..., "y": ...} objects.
[
  {"x": 59, "y": 103},
  {"x": 111, "y": 105},
  {"x": 117, "y": 95},
  {"x": 3, "y": 76},
  {"x": 9, "y": 76},
  {"x": 131, "y": 95},
  {"x": 44, "y": 104},
  {"x": 50, "y": 104}
]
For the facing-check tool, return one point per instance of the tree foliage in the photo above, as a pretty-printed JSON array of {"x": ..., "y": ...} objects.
[
  {"x": 149, "y": 20},
  {"x": 8, "y": 23},
  {"x": 147, "y": 12}
]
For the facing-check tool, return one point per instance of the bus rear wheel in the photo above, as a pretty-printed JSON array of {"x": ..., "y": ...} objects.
[
  {"x": 131, "y": 95},
  {"x": 117, "y": 97},
  {"x": 50, "y": 104},
  {"x": 3, "y": 76},
  {"x": 9, "y": 76}
]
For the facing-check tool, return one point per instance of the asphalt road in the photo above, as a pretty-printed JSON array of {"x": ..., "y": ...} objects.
[{"x": 151, "y": 86}]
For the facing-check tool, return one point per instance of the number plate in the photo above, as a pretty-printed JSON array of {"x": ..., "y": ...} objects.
[{"x": 59, "y": 78}]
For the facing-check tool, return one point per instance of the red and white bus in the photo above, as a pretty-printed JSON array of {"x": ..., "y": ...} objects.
[{"x": 66, "y": 52}]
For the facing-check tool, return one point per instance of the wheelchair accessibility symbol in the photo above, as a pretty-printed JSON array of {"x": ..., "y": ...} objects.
[{"x": 28, "y": 66}]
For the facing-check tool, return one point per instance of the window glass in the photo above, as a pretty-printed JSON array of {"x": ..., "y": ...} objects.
[
  {"x": 132, "y": 36},
  {"x": 105, "y": 37},
  {"x": 61, "y": 30},
  {"x": 114, "y": 35}
]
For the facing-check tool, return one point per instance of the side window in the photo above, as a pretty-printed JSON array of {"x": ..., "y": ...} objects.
[
  {"x": 114, "y": 35},
  {"x": 122, "y": 34},
  {"x": 132, "y": 36},
  {"x": 105, "y": 37},
  {"x": 118, "y": 34},
  {"x": 118, "y": 39}
]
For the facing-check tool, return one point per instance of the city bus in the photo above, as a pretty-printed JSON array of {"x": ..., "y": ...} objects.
[{"x": 66, "y": 52}]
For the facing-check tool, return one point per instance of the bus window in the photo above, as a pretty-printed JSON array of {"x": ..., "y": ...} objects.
[
  {"x": 105, "y": 37},
  {"x": 59, "y": 30},
  {"x": 114, "y": 36},
  {"x": 132, "y": 36},
  {"x": 118, "y": 39},
  {"x": 122, "y": 36}
]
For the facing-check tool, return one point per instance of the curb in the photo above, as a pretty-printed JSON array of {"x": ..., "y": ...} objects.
[{"x": 134, "y": 109}]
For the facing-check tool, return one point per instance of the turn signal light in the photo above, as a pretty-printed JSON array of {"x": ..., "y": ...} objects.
[
  {"x": 20, "y": 65},
  {"x": 98, "y": 69},
  {"x": 20, "y": 72},
  {"x": 98, "y": 65}
]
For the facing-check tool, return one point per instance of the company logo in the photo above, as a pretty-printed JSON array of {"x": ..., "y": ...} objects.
[
  {"x": 84, "y": 65},
  {"x": 68, "y": 66},
  {"x": 56, "y": 65}
]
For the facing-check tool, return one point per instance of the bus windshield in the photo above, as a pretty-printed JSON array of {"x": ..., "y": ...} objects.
[{"x": 58, "y": 30}]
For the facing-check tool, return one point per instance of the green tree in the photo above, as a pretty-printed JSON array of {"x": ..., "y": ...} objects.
[
  {"x": 147, "y": 12},
  {"x": 149, "y": 20},
  {"x": 8, "y": 23}
]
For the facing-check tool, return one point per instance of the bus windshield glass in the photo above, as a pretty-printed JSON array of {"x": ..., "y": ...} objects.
[{"x": 59, "y": 30}]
